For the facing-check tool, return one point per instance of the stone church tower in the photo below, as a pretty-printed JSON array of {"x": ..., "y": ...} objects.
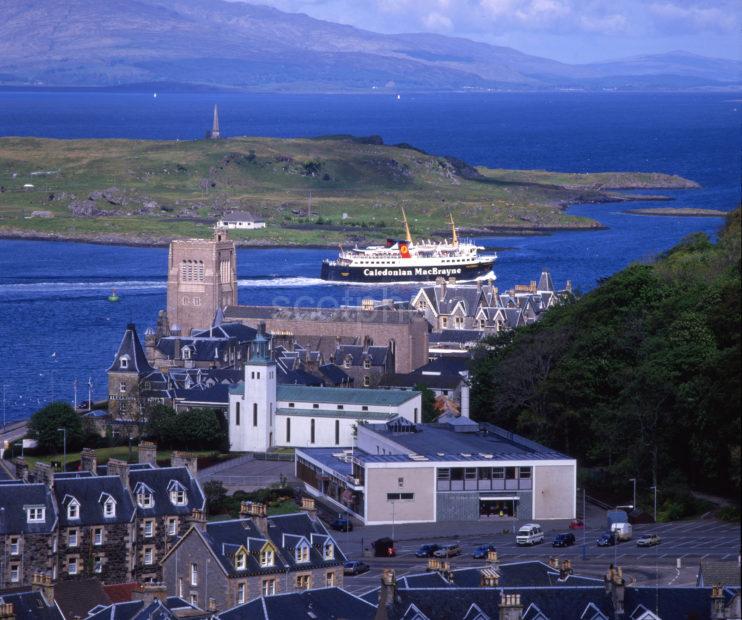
[
  {"x": 201, "y": 278},
  {"x": 125, "y": 376}
]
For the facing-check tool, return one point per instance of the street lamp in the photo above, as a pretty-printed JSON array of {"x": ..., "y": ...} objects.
[
  {"x": 633, "y": 504},
  {"x": 393, "y": 538},
  {"x": 654, "y": 488},
  {"x": 64, "y": 458}
]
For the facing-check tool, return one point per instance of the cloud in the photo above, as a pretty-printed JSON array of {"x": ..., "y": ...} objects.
[
  {"x": 437, "y": 22},
  {"x": 720, "y": 17}
]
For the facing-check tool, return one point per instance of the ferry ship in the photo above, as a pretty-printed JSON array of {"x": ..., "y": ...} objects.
[{"x": 407, "y": 261}]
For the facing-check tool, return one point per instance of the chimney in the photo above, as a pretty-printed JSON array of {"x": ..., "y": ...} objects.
[
  {"x": 565, "y": 570},
  {"x": 615, "y": 586},
  {"x": 554, "y": 563},
  {"x": 88, "y": 460},
  {"x": 185, "y": 459},
  {"x": 147, "y": 452},
  {"x": 42, "y": 472},
  {"x": 44, "y": 584},
  {"x": 533, "y": 287},
  {"x": 7, "y": 611},
  {"x": 510, "y": 607},
  {"x": 117, "y": 467},
  {"x": 21, "y": 469},
  {"x": 308, "y": 506},
  {"x": 197, "y": 518},
  {"x": 492, "y": 558},
  {"x": 568, "y": 286},
  {"x": 438, "y": 565},
  {"x": 176, "y": 347},
  {"x": 148, "y": 592},
  {"x": 258, "y": 513},
  {"x": 211, "y": 607},
  {"x": 441, "y": 282},
  {"x": 489, "y": 578},
  {"x": 387, "y": 594},
  {"x": 718, "y": 611},
  {"x": 150, "y": 345}
]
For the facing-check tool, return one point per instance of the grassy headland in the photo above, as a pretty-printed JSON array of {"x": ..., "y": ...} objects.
[{"x": 148, "y": 192}]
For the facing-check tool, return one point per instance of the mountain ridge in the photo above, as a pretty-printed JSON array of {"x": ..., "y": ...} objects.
[{"x": 252, "y": 47}]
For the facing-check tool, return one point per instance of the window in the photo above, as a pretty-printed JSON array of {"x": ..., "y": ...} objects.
[
  {"x": 268, "y": 587},
  {"x": 72, "y": 566},
  {"x": 393, "y": 497},
  {"x": 330, "y": 579},
  {"x": 54, "y": 544},
  {"x": 194, "y": 599},
  {"x": 510, "y": 473},
  {"x": 444, "y": 473},
  {"x": 237, "y": 414},
  {"x": 301, "y": 554},
  {"x": 328, "y": 551},
  {"x": 366, "y": 381},
  {"x": 311, "y": 431},
  {"x": 525, "y": 472},
  {"x": 255, "y": 414},
  {"x": 415, "y": 415},
  {"x": 149, "y": 555},
  {"x": 341, "y": 407},
  {"x": 337, "y": 432},
  {"x": 194, "y": 574},
  {"x": 303, "y": 582},
  {"x": 240, "y": 561},
  {"x": 98, "y": 536},
  {"x": 364, "y": 408},
  {"x": 15, "y": 573},
  {"x": 149, "y": 529},
  {"x": 470, "y": 473},
  {"x": 498, "y": 473},
  {"x": 109, "y": 508},
  {"x": 178, "y": 497},
  {"x": 266, "y": 557},
  {"x": 98, "y": 564},
  {"x": 36, "y": 514},
  {"x": 367, "y": 363},
  {"x": 315, "y": 406},
  {"x": 400, "y": 482},
  {"x": 145, "y": 499},
  {"x": 291, "y": 405},
  {"x": 15, "y": 546},
  {"x": 124, "y": 361},
  {"x": 241, "y": 593},
  {"x": 172, "y": 526},
  {"x": 288, "y": 430},
  {"x": 72, "y": 538},
  {"x": 122, "y": 387}
]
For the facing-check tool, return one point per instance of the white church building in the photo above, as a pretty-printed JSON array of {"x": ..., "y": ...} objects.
[{"x": 265, "y": 415}]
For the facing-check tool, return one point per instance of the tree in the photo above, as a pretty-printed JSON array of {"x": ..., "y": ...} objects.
[
  {"x": 45, "y": 424},
  {"x": 200, "y": 429},
  {"x": 162, "y": 426},
  {"x": 216, "y": 494},
  {"x": 427, "y": 396}
]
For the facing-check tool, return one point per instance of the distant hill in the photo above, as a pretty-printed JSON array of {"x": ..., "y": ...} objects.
[{"x": 219, "y": 44}]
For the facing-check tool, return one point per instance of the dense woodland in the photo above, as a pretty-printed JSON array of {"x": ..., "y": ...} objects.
[{"x": 638, "y": 378}]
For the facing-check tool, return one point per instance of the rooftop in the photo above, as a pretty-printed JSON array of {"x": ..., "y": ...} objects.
[{"x": 386, "y": 315}]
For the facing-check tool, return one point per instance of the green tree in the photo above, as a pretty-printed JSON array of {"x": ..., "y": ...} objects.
[
  {"x": 216, "y": 495},
  {"x": 44, "y": 425},
  {"x": 200, "y": 429},
  {"x": 427, "y": 396}
]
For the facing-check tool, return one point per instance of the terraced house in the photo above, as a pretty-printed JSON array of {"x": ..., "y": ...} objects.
[{"x": 228, "y": 563}]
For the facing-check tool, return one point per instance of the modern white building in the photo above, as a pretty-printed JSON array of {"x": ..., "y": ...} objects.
[
  {"x": 239, "y": 219},
  {"x": 265, "y": 415},
  {"x": 401, "y": 472}
]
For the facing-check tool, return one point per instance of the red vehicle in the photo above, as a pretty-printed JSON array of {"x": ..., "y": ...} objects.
[{"x": 576, "y": 524}]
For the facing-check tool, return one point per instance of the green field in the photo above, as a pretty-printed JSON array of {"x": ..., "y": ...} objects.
[{"x": 134, "y": 191}]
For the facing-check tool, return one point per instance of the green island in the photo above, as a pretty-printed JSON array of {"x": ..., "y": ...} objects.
[
  {"x": 316, "y": 191},
  {"x": 678, "y": 212}
]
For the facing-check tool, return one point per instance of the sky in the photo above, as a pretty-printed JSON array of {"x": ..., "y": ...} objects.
[{"x": 568, "y": 30}]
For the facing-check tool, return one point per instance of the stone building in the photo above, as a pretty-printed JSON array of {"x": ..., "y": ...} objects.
[
  {"x": 228, "y": 563},
  {"x": 364, "y": 364},
  {"x": 202, "y": 278}
]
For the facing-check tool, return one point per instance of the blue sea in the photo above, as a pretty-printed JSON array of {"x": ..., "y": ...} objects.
[{"x": 56, "y": 325}]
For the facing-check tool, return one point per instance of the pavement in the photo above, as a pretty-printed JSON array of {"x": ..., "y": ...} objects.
[{"x": 249, "y": 474}]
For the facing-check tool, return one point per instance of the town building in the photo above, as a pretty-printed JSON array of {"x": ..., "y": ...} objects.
[
  {"x": 264, "y": 414},
  {"x": 402, "y": 472},
  {"x": 227, "y": 563},
  {"x": 240, "y": 220},
  {"x": 27, "y": 605},
  {"x": 364, "y": 364}
]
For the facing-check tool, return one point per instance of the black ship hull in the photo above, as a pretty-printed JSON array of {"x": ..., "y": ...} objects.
[{"x": 344, "y": 273}]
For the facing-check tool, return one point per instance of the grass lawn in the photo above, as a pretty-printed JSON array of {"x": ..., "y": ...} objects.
[{"x": 103, "y": 454}]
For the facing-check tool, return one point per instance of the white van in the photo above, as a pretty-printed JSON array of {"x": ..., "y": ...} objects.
[
  {"x": 622, "y": 531},
  {"x": 529, "y": 534}
]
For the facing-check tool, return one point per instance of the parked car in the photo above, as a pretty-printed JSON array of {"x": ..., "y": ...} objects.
[
  {"x": 355, "y": 568},
  {"x": 607, "y": 540},
  {"x": 480, "y": 553},
  {"x": 427, "y": 551},
  {"x": 530, "y": 534},
  {"x": 648, "y": 540},
  {"x": 343, "y": 524},
  {"x": 576, "y": 524},
  {"x": 623, "y": 531},
  {"x": 564, "y": 540},
  {"x": 447, "y": 551}
]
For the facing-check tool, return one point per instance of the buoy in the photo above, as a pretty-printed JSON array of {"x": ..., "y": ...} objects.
[{"x": 113, "y": 296}]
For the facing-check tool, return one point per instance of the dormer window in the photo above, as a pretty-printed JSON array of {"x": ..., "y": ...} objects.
[
  {"x": 124, "y": 361},
  {"x": 186, "y": 353},
  {"x": 301, "y": 554},
  {"x": 73, "y": 510},
  {"x": 367, "y": 363},
  {"x": 348, "y": 361},
  {"x": 109, "y": 508},
  {"x": 178, "y": 497},
  {"x": 240, "y": 561},
  {"x": 145, "y": 499},
  {"x": 328, "y": 551},
  {"x": 266, "y": 557},
  {"x": 35, "y": 514}
]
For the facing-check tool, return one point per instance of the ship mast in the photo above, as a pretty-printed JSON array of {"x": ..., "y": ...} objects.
[
  {"x": 454, "y": 237},
  {"x": 406, "y": 226}
]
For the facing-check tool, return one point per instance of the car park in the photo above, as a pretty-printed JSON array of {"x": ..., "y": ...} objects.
[
  {"x": 427, "y": 551},
  {"x": 343, "y": 524},
  {"x": 608, "y": 539},
  {"x": 529, "y": 534},
  {"x": 564, "y": 540},
  {"x": 480, "y": 552},
  {"x": 355, "y": 568},
  {"x": 648, "y": 540},
  {"x": 447, "y": 551},
  {"x": 576, "y": 524}
]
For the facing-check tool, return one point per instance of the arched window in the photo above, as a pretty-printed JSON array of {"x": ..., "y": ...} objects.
[
  {"x": 311, "y": 431},
  {"x": 255, "y": 414}
]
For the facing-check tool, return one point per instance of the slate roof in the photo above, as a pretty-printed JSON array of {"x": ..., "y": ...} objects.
[
  {"x": 215, "y": 395},
  {"x": 350, "y": 396},
  {"x": 238, "y": 331},
  {"x": 282, "y": 527},
  {"x": 131, "y": 348},
  {"x": 316, "y": 604},
  {"x": 77, "y": 597},
  {"x": 238, "y": 216},
  {"x": 410, "y": 380},
  {"x": 159, "y": 480},
  {"x": 381, "y": 315},
  {"x": 458, "y": 336},
  {"x": 298, "y": 377},
  {"x": 91, "y": 493},
  {"x": 718, "y": 572},
  {"x": 30, "y": 605},
  {"x": 335, "y": 375},
  {"x": 156, "y": 610},
  {"x": 13, "y": 499},
  {"x": 545, "y": 283},
  {"x": 357, "y": 355}
]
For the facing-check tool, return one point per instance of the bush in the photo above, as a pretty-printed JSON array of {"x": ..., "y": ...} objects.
[
  {"x": 194, "y": 429},
  {"x": 46, "y": 422}
]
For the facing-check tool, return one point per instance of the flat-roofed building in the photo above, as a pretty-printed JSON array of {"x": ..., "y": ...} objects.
[{"x": 404, "y": 472}]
